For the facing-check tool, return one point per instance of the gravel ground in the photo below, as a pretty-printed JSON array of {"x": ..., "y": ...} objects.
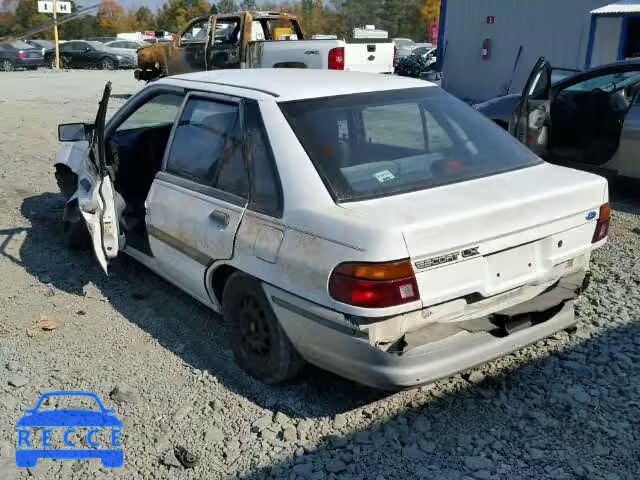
[{"x": 564, "y": 408}]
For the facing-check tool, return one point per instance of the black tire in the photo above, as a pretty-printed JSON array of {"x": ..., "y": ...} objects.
[
  {"x": 258, "y": 341},
  {"x": 107, "y": 64},
  {"x": 76, "y": 235},
  {"x": 6, "y": 66}
]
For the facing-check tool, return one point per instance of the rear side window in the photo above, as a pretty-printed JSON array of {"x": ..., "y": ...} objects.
[
  {"x": 384, "y": 143},
  {"x": 266, "y": 194},
  {"x": 207, "y": 146}
]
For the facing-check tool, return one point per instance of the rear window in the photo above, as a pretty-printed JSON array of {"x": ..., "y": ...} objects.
[
  {"x": 20, "y": 45},
  {"x": 384, "y": 143}
]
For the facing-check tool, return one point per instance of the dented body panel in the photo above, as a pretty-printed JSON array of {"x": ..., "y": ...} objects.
[
  {"x": 257, "y": 43},
  {"x": 498, "y": 260}
]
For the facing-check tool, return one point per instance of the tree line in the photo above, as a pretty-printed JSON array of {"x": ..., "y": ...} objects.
[{"x": 401, "y": 18}]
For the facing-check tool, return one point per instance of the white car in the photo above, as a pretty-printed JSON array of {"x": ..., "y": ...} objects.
[{"x": 372, "y": 225}]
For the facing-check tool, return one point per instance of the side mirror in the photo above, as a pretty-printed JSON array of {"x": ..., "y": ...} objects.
[{"x": 74, "y": 132}]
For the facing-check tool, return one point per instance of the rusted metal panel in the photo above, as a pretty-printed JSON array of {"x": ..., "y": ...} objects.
[{"x": 173, "y": 59}]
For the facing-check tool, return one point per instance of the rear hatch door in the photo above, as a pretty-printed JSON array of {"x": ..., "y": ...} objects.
[{"x": 493, "y": 234}]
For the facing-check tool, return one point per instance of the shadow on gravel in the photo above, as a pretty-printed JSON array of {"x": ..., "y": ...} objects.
[
  {"x": 180, "y": 324},
  {"x": 572, "y": 415}
]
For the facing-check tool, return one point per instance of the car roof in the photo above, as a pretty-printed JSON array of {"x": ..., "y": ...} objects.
[{"x": 298, "y": 83}]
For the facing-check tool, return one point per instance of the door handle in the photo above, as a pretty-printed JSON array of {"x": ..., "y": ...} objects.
[{"x": 220, "y": 217}]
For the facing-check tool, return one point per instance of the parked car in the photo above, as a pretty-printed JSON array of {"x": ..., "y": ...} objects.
[
  {"x": 406, "y": 46},
  {"x": 250, "y": 40},
  {"x": 87, "y": 54},
  {"x": 131, "y": 45},
  {"x": 103, "y": 39},
  {"x": 44, "y": 45},
  {"x": 589, "y": 120},
  {"x": 500, "y": 109},
  {"x": 423, "y": 240},
  {"x": 418, "y": 63},
  {"x": 19, "y": 54}
]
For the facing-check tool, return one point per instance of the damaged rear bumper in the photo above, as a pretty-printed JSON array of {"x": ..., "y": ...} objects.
[{"x": 327, "y": 339}]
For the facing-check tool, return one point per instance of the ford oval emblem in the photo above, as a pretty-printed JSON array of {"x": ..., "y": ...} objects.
[{"x": 591, "y": 215}]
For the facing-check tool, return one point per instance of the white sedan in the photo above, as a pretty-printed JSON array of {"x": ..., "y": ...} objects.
[{"x": 372, "y": 225}]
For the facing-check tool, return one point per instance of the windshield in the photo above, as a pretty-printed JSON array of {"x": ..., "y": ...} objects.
[
  {"x": 609, "y": 83},
  {"x": 97, "y": 45},
  {"x": 384, "y": 143}
]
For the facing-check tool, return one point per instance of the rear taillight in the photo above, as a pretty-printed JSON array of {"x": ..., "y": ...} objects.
[
  {"x": 22, "y": 55},
  {"x": 336, "y": 58},
  {"x": 602, "y": 226},
  {"x": 374, "y": 285}
]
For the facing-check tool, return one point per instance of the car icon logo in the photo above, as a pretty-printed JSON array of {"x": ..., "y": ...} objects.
[
  {"x": 34, "y": 446},
  {"x": 591, "y": 215}
]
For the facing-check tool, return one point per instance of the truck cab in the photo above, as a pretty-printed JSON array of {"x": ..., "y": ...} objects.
[{"x": 258, "y": 40}]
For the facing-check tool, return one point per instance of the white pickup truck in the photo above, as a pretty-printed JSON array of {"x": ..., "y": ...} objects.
[{"x": 259, "y": 40}]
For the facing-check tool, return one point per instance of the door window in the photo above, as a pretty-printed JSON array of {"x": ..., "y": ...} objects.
[
  {"x": 227, "y": 31},
  {"x": 609, "y": 83},
  {"x": 195, "y": 33},
  {"x": 161, "y": 110},
  {"x": 266, "y": 194},
  {"x": 207, "y": 146}
]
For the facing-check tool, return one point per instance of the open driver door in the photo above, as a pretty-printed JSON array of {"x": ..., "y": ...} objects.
[
  {"x": 96, "y": 194},
  {"x": 530, "y": 120}
]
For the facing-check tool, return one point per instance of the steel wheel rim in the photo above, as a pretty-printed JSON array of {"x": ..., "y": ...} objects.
[{"x": 253, "y": 329}]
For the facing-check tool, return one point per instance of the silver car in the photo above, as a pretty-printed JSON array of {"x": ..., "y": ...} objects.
[{"x": 590, "y": 120}]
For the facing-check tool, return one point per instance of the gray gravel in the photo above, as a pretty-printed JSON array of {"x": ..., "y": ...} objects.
[{"x": 564, "y": 408}]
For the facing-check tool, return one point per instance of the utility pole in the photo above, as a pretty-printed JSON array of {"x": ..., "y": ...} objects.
[{"x": 55, "y": 33}]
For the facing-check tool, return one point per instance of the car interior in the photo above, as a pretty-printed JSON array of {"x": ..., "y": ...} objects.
[
  {"x": 364, "y": 151},
  {"x": 134, "y": 152},
  {"x": 587, "y": 117}
]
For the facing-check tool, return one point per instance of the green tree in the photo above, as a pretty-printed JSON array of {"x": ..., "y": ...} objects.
[
  {"x": 27, "y": 15},
  {"x": 227, "y": 6},
  {"x": 112, "y": 18},
  {"x": 145, "y": 19},
  {"x": 174, "y": 14},
  {"x": 8, "y": 23},
  {"x": 248, "y": 5}
]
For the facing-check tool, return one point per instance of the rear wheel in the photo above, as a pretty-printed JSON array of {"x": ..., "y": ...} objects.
[
  {"x": 258, "y": 341},
  {"x": 6, "y": 66},
  {"x": 107, "y": 64}
]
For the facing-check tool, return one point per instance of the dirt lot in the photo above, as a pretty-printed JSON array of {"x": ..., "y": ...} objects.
[{"x": 564, "y": 408}]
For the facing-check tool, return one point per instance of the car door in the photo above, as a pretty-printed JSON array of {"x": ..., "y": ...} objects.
[
  {"x": 66, "y": 54},
  {"x": 96, "y": 194},
  {"x": 529, "y": 122},
  {"x": 82, "y": 54},
  {"x": 197, "y": 201},
  {"x": 188, "y": 53},
  {"x": 228, "y": 38}
]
